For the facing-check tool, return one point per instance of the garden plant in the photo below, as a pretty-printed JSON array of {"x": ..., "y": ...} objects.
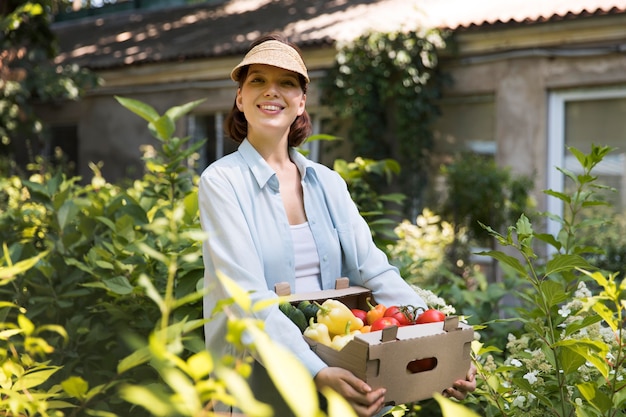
[{"x": 565, "y": 353}]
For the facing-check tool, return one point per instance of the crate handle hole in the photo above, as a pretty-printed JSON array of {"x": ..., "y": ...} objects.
[{"x": 421, "y": 365}]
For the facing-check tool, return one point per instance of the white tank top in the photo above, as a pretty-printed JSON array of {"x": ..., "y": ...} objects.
[{"x": 307, "y": 259}]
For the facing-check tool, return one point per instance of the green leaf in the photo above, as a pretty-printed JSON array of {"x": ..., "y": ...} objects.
[
  {"x": 562, "y": 262},
  {"x": 322, "y": 136},
  {"x": 553, "y": 293},
  {"x": 451, "y": 408},
  {"x": 152, "y": 398},
  {"x": 607, "y": 315},
  {"x": 291, "y": 378},
  {"x": 570, "y": 360},
  {"x": 561, "y": 196},
  {"x": 506, "y": 259},
  {"x": 152, "y": 292},
  {"x": 151, "y": 252},
  {"x": 118, "y": 285},
  {"x": 141, "y": 109},
  {"x": 66, "y": 213},
  {"x": 240, "y": 297},
  {"x": 34, "y": 378},
  {"x": 138, "y": 357},
  {"x": 598, "y": 399},
  {"x": 177, "y": 112},
  {"x": 25, "y": 324},
  {"x": 593, "y": 351},
  {"x": 200, "y": 365},
  {"x": 240, "y": 389},
  {"x": 75, "y": 386},
  {"x": 7, "y": 334},
  {"x": 581, "y": 324},
  {"x": 337, "y": 405},
  {"x": 163, "y": 128},
  {"x": 8, "y": 273}
]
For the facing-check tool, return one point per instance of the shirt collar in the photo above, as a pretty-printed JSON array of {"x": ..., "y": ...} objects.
[{"x": 260, "y": 168}]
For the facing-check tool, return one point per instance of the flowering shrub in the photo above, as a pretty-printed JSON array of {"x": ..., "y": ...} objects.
[
  {"x": 566, "y": 358},
  {"x": 420, "y": 251}
]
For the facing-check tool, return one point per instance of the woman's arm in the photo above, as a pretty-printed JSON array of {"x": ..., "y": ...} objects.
[{"x": 233, "y": 249}]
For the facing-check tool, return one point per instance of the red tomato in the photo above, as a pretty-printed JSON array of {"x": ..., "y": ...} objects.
[
  {"x": 360, "y": 314},
  {"x": 430, "y": 316},
  {"x": 383, "y": 323},
  {"x": 399, "y": 314}
]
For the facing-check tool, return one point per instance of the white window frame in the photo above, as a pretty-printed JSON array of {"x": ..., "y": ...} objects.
[{"x": 556, "y": 140}]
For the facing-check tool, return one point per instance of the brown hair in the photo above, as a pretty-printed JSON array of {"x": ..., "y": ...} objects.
[{"x": 236, "y": 125}]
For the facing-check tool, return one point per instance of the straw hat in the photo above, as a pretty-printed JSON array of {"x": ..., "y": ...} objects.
[{"x": 275, "y": 53}]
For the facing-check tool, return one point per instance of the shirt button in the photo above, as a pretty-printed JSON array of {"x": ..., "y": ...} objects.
[{"x": 325, "y": 258}]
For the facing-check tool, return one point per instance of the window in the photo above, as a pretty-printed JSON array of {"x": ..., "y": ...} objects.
[
  {"x": 579, "y": 118},
  {"x": 210, "y": 128},
  {"x": 466, "y": 124},
  {"x": 61, "y": 146}
]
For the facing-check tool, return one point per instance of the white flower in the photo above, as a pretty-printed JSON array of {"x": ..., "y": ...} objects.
[
  {"x": 564, "y": 311},
  {"x": 519, "y": 401},
  {"x": 531, "y": 377},
  {"x": 516, "y": 363},
  {"x": 582, "y": 292}
]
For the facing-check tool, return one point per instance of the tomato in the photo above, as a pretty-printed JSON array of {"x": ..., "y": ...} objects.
[
  {"x": 399, "y": 313},
  {"x": 361, "y": 314},
  {"x": 383, "y": 323},
  {"x": 421, "y": 365},
  {"x": 430, "y": 316}
]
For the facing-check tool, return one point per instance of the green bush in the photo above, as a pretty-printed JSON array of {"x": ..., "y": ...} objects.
[
  {"x": 103, "y": 242},
  {"x": 568, "y": 355}
]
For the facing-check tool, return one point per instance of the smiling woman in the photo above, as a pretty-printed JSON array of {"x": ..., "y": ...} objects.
[{"x": 273, "y": 216}]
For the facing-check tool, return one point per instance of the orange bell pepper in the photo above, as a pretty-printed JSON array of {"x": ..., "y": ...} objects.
[{"x": 375, "y": 312}]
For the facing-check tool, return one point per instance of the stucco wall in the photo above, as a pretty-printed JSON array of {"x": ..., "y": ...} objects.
[{"x": 520, "y": 87}]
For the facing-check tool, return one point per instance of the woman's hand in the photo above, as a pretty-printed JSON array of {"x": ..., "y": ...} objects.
[
  {"x": 462, "y": 387},
  {"x": 365, "y": 401}
]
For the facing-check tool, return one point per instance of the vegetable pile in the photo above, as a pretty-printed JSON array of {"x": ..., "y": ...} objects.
[{"x": 334, "y": 324}]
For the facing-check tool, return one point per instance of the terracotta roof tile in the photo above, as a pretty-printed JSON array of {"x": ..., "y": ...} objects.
[{"x": 209, "y": 29}]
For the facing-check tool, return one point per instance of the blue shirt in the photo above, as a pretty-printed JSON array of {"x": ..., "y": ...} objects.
[{"x": 249, "y": 240}]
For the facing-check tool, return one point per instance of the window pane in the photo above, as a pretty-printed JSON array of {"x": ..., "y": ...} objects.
[
  {"x": 217, "y": 144},
  {"x": 466, "y": 123},
  {"x": 601, "y": 122},
  {"x": 63, "y": 142}
]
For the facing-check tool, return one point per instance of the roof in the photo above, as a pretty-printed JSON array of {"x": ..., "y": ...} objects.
[{"x": 210, "y": 30}]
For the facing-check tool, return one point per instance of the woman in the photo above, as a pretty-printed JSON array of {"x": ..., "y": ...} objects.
[{"x": 272, "y": 216}]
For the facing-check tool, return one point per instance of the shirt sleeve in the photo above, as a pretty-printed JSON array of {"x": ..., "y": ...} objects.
[{"x": 231, "y": 249}]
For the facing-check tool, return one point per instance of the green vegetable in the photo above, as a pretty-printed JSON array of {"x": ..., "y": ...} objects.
[
  {"x": 309, "y": 309},
  {"x": 294, "y": 315}
]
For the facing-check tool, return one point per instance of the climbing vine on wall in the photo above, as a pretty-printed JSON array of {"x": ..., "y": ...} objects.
[{"x": 387, "y": 86}]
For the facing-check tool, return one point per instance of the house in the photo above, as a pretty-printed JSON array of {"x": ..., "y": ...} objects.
[{"x": 530, "y": 78}]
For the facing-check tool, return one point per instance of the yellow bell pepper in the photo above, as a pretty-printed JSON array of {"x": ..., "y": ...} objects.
[
  {"x": 336, "y": 316},
  {"x": 318, "y": 332},
  {"x": 341, "y": 340}
]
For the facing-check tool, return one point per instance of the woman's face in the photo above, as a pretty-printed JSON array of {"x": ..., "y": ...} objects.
[{"x": 271, "y": 98}]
